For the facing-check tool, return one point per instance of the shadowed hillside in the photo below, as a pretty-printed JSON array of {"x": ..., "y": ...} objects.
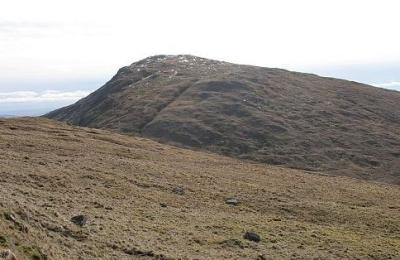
[
  {"x": 80, "y": 193},
  {"x": 269, "y": 115}
]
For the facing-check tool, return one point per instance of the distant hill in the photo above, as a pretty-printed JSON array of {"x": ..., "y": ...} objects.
[
  {"x": 269, "y": 115},
  {"x": 79, "y": 193},
  {"x": 6, "y": 116}
]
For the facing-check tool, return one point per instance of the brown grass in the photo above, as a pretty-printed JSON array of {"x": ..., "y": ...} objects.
[
  {"x": 51, "y": 172},
  {"x": 268, "y": 115}
]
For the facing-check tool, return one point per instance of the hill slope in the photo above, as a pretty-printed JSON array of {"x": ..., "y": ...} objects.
[
  {"x": 269, "y": 115},
  {"x": 146, "y": 200}
]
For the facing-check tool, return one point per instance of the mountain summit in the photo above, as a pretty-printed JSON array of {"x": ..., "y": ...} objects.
[{"x": 269, "y": 115}]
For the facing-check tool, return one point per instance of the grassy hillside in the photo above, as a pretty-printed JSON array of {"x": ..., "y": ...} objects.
[
  {"x": 142, "y": 199},
  {"x": 274, "y": 116}
]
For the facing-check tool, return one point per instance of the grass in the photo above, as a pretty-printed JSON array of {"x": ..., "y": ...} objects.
[
  {"x": 268, "y": 115},
  {"x": 51, "y": 172}
]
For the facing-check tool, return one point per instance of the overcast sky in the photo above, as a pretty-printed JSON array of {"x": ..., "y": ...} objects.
[{"x": 54, "y": 52}]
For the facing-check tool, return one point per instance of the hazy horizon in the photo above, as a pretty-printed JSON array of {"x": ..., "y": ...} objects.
[
  {"x": 54, "y": 53},
  {"x": 38, "y": 97}
]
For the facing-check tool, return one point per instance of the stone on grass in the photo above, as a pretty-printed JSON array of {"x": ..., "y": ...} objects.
[
  {"x": 252, "y": 236},
  {"x": 79, "y": 220},
  {"x": 232, "y": 201},
  {"x": 179, "y": 191}
]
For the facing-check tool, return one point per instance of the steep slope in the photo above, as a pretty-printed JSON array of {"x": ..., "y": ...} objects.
[
  {"x": 269, "y": 115},
  {"x": 146, "y": 200}
]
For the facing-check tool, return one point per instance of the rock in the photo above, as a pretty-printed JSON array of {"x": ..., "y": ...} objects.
[
  {"x": 7, "y": 255},
  {"x": 262, "y": 257},
  {"x": 10, "y": 217},
  {"x": 252, "y": 236},
  {"x": 179, "y": 191},
  {"x": 79, "y": 220},
  {"x": 232, "y": 201},
  {"x": 163, "y": 205}
]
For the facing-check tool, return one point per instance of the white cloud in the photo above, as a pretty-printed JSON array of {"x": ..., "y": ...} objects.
[
  {"x": 45, "y": 96},
  {"x": 395, "y": 85},
  {"x": 56, "y": 39}
]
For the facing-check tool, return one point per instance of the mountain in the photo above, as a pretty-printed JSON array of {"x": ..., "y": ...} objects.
[
  {"x": 269, "y": 115},
  {"x": 80, "y": 193}
]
